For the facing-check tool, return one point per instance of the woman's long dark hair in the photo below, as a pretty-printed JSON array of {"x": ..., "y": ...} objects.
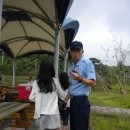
[
  {"x": 45, "y": 77},
  {"x": 64, "y": 80}
]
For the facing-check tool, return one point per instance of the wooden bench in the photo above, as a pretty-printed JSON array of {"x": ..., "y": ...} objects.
[
  {"x": 7, "y": 109},
  {"x": 7, "y": 89},
  {"x": 2, "y": 97}
]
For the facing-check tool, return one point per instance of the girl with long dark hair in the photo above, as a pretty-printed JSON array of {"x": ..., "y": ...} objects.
[
  {"x": 45, "y": 92},
  {"x": 64, "y": 81}
]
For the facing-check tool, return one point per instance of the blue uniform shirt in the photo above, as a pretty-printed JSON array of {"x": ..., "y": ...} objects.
[{"x": 86, "y": 70}]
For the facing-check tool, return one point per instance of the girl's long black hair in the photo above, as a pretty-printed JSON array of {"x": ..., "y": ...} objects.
[
  {"x": 64, "y": 80},
  {"x": 45, "y": 77}
]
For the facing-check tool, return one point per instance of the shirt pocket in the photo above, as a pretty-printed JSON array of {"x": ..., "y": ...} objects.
[{"x": 81, "y": 71}]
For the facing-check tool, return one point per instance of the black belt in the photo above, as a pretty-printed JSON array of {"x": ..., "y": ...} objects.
[{"x": 78, "y": 97}]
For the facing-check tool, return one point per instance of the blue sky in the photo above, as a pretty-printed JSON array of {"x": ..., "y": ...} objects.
[{"x": 101, "y": 22}]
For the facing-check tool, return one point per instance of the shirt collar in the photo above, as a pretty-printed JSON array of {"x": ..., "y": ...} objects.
[{"x": 78, "y": 63}]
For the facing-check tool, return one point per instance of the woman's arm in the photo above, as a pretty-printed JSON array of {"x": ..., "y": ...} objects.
[
  {"x": 67, "y": 97},
  {"x": 33, "y": 92},
  {"x": 61, "y": 92}
]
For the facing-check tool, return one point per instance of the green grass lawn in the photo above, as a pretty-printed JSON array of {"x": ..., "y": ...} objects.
[
  {"x": 109, "y": 122},
  {"x": 110, "y": 99},
  {"x": 19, "y": 80},
  {"x": 105, "y": 121}
]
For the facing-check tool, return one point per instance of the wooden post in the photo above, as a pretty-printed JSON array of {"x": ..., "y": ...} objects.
[{"x": 13, "y": 124}]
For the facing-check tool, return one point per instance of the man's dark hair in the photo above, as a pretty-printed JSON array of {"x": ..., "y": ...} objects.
[
  {"x": 45, "y": 77},
  {"x": 64, "y": 80}
]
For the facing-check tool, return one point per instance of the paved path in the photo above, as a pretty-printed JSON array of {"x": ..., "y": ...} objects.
[
  {"x": 110, "y": 110},
  {"x": 9, "y": 128}
]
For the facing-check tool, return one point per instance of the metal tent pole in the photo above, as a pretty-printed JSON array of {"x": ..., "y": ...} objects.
[
  {"x": 56, "y": 51},
  {"x": 1, "y": 4},
  {"x": 14, "y": 73},
  {"x": 2, "y": 57},
  {"x": 65, "y": 60}
]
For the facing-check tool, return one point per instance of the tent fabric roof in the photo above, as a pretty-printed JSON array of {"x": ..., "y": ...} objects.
[
  {"x": 28, "y": 26},
  {"x": 50, "y": 11}
]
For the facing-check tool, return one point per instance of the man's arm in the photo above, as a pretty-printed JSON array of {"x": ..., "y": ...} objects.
[{"x": 89, "y": 82}]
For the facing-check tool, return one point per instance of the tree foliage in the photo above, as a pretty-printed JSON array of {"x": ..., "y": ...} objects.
[{"x": 25, "y": 66}]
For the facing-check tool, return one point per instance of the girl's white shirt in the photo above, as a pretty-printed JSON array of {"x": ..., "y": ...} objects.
[{"x": 46, "y": 103}]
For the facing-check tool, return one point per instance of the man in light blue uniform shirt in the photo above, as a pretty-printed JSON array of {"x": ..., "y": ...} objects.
[{"x": 82, "y": 78}]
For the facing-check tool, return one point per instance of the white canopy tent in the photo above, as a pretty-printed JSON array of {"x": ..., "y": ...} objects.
[
  {"x": 30, "y": 26},
  {"x": 33, "y": 26}
]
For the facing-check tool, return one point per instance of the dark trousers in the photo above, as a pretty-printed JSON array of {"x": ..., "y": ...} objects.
[{"x": 79, "y": 113}]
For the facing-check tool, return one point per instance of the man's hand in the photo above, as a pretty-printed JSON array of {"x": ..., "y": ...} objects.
[
  {"x": 89, "y": 82},
  {"x": 76, "y": 76}
]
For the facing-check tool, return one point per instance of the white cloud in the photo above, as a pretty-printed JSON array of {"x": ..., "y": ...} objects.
[{"x": 101, "y": 21}]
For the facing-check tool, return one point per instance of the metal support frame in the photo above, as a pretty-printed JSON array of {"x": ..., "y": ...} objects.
[
  {"x": 1, "y": 5},
  {"x": 65, "y": 60},
  {"x": 14, "y": 73},
  {"x": 56, "y": 51}
]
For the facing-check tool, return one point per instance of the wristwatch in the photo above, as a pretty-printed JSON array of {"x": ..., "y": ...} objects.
[{"x": 80, "y": 80}]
